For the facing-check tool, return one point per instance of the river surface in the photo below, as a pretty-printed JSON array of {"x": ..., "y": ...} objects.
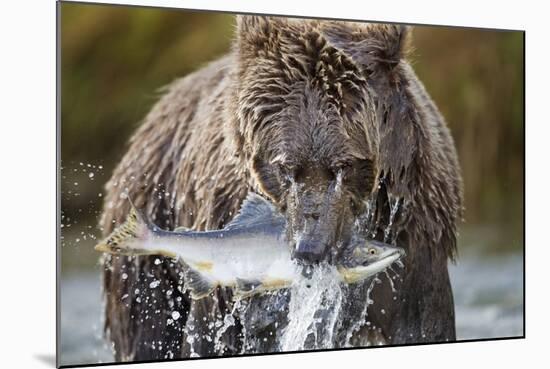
[{"x": 488, "y": 295}]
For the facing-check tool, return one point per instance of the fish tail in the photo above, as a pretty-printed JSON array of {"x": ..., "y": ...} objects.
[{"x": 120, "y": 241}]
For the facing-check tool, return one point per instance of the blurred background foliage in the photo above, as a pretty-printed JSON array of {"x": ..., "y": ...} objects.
[{"x": 115, "y": 59}]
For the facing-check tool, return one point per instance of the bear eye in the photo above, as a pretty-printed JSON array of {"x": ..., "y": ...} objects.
[{"x": 372, "y": 251}]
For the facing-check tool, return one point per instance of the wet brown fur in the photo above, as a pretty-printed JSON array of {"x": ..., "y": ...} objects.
[{"x": 240, "y": 123}]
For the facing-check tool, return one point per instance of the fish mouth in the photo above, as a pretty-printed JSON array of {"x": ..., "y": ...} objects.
[{"x": 390, "y": 258}]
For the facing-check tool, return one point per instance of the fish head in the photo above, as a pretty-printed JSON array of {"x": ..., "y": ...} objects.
[
  {"x": 365, "y": 252},
  {"x": 365, "y": 258}
]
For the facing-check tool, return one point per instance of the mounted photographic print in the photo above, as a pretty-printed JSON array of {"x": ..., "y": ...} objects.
[{"x": 241, "y": 184}]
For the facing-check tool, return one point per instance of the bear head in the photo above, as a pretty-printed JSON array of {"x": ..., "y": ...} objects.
[{"x": 310, "y": 99}]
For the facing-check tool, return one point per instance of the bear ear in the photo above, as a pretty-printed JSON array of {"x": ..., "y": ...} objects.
[
  {"x": 254, "y": 31},
  {"x": 377, "y": 48}
]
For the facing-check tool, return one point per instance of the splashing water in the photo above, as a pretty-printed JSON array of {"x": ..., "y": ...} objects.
[
  {"x": 394, "y": 207},
  {"x": 391, "y": 281},
  {"x": 313, "y": 311},
  {"x": 190, "y": 336},
  {"x": 371, "y": 224},
  {"x": 359, "y": 323},
  {"x": 228, "y": 321}
]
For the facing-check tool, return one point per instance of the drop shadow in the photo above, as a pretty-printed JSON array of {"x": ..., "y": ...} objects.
[{"x": 48, "y": 359}]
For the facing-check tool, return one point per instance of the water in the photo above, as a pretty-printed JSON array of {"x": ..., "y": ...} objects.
[
  {"x": 313, "y": 311},
  {"x": 488, "y": 296},
  {"x": 488, "y": 300},
  {"x": 81, "y": 321}
]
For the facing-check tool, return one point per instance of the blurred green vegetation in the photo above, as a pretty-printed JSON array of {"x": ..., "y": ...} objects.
[
  {"x": 476, "y": 79},
  {"x": 114, "y": 60}
]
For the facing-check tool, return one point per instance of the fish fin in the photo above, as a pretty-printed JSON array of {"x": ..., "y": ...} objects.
[
  {"x": 182, "y": 229},
  {"x": 197, "y": 284},
  {"x": 255, "y": 210},
  {"x": 247, "y": 287},
  {"x": 134, "y": 228}
]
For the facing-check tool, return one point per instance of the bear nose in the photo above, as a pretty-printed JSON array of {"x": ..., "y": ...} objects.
[{"x": 309, "y": 252}]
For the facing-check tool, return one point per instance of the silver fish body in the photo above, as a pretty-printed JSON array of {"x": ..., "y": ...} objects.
[{"x": 250, "y": 254}]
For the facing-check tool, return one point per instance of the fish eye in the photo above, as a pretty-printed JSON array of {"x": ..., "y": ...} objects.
[{"x": 372, "y": 251}]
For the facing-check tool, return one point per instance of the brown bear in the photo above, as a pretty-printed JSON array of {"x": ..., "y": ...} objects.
[{"x": 296, "y": 108}]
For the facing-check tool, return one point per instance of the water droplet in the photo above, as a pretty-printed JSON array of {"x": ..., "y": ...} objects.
[{"x": 175, "y": 315}]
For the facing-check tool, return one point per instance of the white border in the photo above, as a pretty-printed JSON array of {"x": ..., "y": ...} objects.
[{"x": 28, "y": 184}]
